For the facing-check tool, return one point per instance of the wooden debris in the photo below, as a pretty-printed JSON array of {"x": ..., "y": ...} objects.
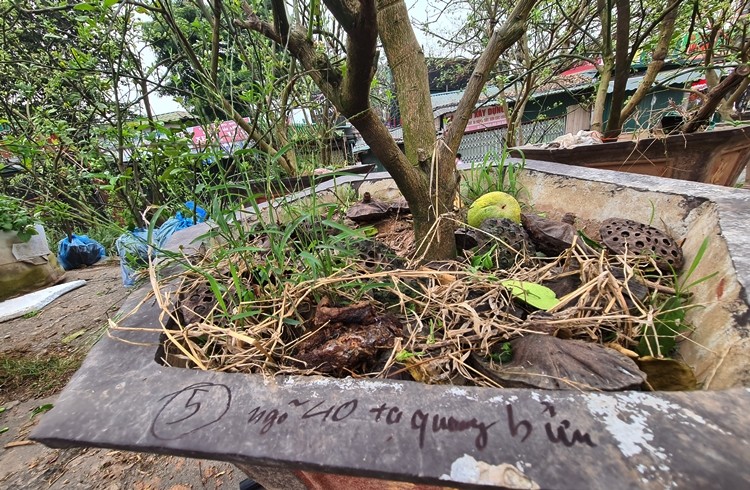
[
  {"x": 549, "y": 236},
  {"x": 399, "y": 207},
  {"x": 24, "y": 442},
  {"x": 368, "y": 210}
]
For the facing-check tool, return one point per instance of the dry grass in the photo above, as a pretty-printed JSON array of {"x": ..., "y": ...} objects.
[{"x": 445, "y": 314}]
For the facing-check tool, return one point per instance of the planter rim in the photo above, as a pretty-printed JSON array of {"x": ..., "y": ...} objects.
[{"x": 407, "y": 431}]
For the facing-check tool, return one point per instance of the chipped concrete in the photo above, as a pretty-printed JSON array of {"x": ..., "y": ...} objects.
[{"x": 629, "y": 428}]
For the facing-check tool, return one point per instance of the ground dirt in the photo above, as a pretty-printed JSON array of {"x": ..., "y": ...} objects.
[{"x": 38, "y": 354}]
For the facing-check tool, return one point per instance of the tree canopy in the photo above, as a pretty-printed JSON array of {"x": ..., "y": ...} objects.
[{"x": 75, "y": 79}]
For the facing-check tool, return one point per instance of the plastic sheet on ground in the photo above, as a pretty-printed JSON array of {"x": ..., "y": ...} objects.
[{"x": 16, "y": 307}]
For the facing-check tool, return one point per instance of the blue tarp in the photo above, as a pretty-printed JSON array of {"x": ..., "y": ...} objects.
[{"x": 132, "y": 247}]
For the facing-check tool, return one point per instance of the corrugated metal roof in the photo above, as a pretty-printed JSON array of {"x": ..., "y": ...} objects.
[
  {"x": 678, "y": 77},
  {"x": 445, "y": 102},
  {"x": 442, "y": 99},
  {"x": 175, "y": 116}
]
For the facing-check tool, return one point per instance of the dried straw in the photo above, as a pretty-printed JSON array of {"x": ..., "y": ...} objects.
[{"x": 446, "y": 315}]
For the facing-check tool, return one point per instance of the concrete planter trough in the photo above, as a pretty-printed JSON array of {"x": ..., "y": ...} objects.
[{"x": 315, "y": 432}]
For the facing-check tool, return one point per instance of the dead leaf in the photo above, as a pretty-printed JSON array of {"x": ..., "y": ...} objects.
[
  {"x": 623, "y": 350},
  {"x": 73, "y": 336},
  {"x": 542, "y": 361}
]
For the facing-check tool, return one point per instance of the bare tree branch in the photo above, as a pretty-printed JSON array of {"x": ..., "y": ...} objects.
[
  {"x": 501, "y": 39},
  {"x": 215, "y": 38},
  {"x": 319, "y": 67},
  {"x": 657, "y": 62}
]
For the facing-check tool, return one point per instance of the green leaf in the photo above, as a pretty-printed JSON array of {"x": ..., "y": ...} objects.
[
  {"x": 4, "y": 429},
  {"x": 109, "y": 3},
  {"x": 684, "y": 286},
  {"x": 83, "y": 6},
  {"x": 245, "y": 314},
  {"x": 41, "y": 409},
  {"x": 589, "y": 241},
  {"x": 343, "y": 228},
  {"x": 405, "y": 354},
  {"x": 660, "y": 340},
  {"x": 369, "y": 231},
  {"x": 531, "y": 293}
]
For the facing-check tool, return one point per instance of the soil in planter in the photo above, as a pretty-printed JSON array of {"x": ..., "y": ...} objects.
[{"x": 540, "y": 305}]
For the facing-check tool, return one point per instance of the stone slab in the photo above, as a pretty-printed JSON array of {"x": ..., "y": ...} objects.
[{"x": 393, "y": 430}]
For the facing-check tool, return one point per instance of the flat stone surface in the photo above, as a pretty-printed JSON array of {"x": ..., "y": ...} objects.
[{"x": 122, "y": 398}]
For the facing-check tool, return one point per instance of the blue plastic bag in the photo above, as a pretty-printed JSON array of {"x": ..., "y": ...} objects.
[
  {"x": 79, "y": 251},
  {"x": 132, "y": 247}
]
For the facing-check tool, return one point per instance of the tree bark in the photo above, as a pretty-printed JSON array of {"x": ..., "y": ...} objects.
[
  {"x": 605, "y": 75},
  {"x": 350, "y": 95},
  {"x": 501, "y": 40},
  {"x": 608, "y": 64},
  {"x": 726, "y": 108},
  {"x": 432, "y": 192},
  {"x": 622, "y": 69}
]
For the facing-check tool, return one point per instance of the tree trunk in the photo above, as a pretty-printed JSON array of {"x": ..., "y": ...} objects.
[
  {"x": 726, "y": 108},
  {"x": 426, "y": 174},
  {"x": 608, "y": 64},
  {"x": 501, "y": 39},
  {"x": 515, "y": 137},
  {"x": 407, "y": 63},
  {"x": 430, "y": 195},
  {"x": 622, "y": 69},
  {"x": 605, "y": 75}
]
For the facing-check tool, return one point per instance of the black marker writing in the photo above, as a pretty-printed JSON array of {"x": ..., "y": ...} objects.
[
  {"x": 563, "y": 437},
  {"x": 268, "y": 418},
  {"x": 514, "y": 427},
  {"x": 336, "y": 413},
  {"x": 420, "y": 422},
  {"x": 191, "y": 409},
  {"x": 393, "y": 416}
]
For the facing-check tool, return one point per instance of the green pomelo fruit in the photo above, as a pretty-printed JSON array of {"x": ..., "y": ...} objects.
[{"x": 494, "y": 205}]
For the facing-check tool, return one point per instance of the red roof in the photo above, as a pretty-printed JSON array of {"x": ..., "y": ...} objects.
[{"x": 579, "y": 69}]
